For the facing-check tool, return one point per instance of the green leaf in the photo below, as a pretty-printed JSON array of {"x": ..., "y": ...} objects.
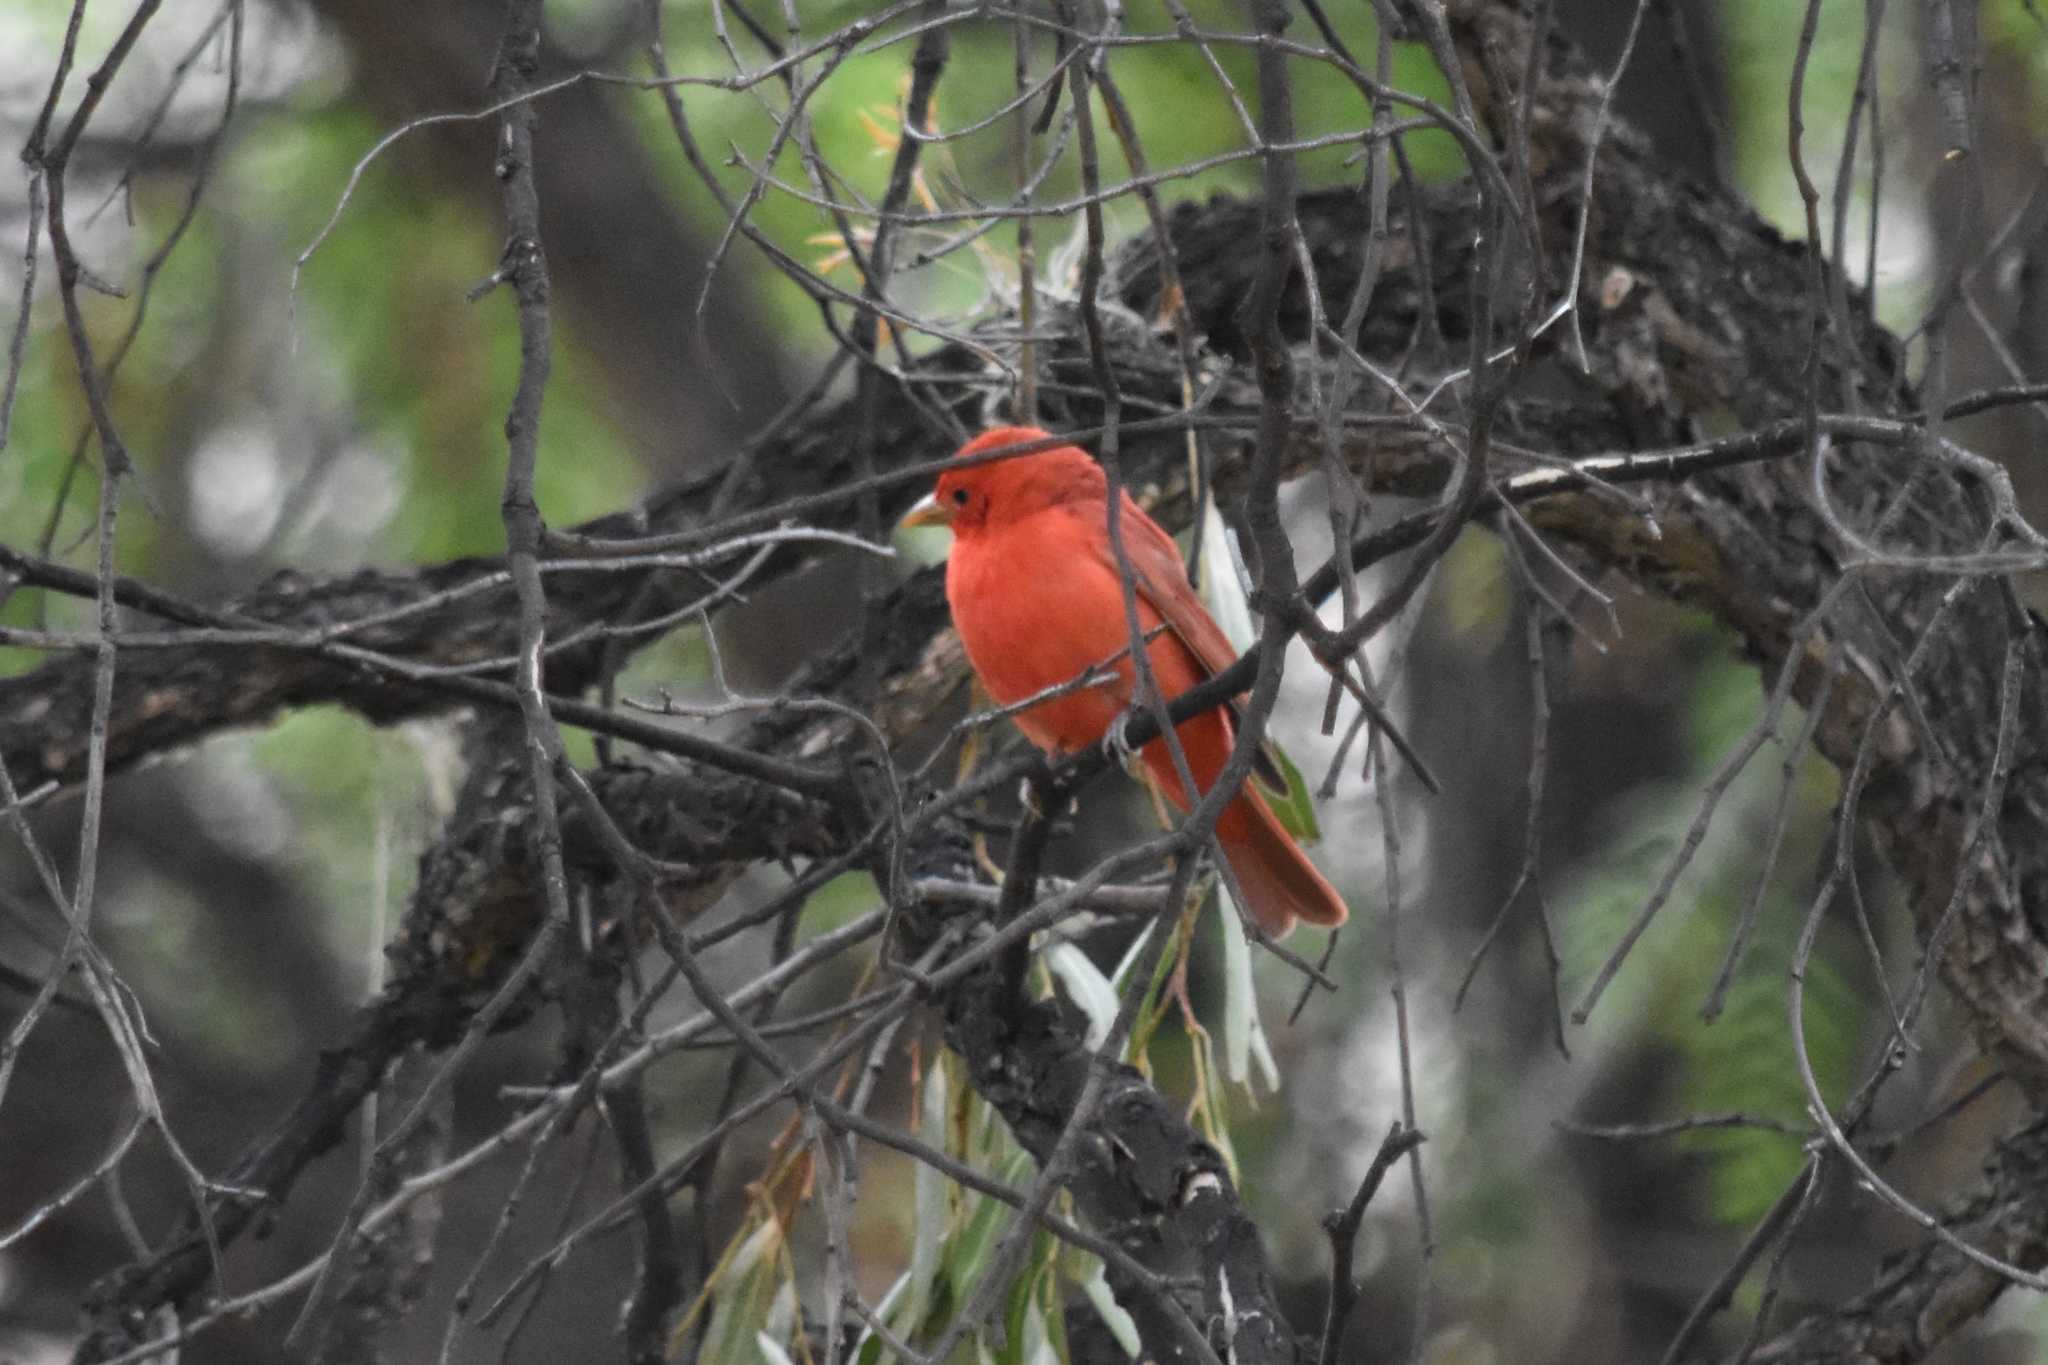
[
  {"x": 1121, "y": 1325},
  {"x": 868, "y": 1347},
  {"x": 967, "y": 1255},
  {"x": 934, "y": 1207},
  {"x": 1223, "y": 592},
  {"x": 1295, "y": 807},
  {"x": 1130, "y": 958},
  {"x": 1086, "y": 986},
  {"x": 1244, "y": 1037},
  {"x": 1031, "y": 1310},
  {"x": 746, "y": 1292},
  {"x": 1222, "y": 588}
]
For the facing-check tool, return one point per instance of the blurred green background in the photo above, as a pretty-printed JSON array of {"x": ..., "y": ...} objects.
[{"x": 317, "y": 396}]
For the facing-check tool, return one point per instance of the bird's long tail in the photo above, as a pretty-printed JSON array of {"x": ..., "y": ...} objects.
[{"x": 1280, "y": 884}]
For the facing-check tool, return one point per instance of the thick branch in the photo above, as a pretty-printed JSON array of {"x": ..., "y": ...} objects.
[{"x": 1691, "y": 310}]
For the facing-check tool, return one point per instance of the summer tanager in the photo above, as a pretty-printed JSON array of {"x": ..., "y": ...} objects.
[{"x": 1035, "y": 594}]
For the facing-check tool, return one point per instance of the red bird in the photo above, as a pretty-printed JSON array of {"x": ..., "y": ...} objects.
[{"x": 1035, "y": 594}]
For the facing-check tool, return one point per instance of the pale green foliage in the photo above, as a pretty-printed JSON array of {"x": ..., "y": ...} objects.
[
  {"x": 1744, "y": 1060},
  {"x": 956, "y": 1234},
  {"x": 1180, "y": 109}
]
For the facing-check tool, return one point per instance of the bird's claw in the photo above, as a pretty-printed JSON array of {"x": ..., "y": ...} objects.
[{"x": 1116, "y": 741}]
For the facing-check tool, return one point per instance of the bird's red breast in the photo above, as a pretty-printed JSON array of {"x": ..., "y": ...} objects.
[{"x": 1037, "y": 598}]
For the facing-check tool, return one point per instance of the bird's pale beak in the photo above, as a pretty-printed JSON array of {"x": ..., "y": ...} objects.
[{"x": 926, "y": 511}]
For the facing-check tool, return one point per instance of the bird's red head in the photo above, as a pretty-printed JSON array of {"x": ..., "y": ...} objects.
[{"x": 1002, "y": 491}]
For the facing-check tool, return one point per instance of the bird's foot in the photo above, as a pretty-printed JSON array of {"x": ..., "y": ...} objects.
[
  {"x": 1116, "y": 741},
  {"x": 1027, "y": 797}
]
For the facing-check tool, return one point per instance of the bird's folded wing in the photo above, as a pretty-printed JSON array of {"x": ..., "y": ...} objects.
[{"x": 1162, "y": 581}]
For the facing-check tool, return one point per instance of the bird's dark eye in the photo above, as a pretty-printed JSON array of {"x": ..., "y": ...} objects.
[{"x": 960, "y": 497}]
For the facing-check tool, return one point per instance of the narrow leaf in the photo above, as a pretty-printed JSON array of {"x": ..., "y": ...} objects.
[
  {"x": 1224, "y": 590},
  {"x": 1121, "y": 1325},
  {"x": 1087, "y": 987},
  {"x": 1244, "y": 1037}
]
